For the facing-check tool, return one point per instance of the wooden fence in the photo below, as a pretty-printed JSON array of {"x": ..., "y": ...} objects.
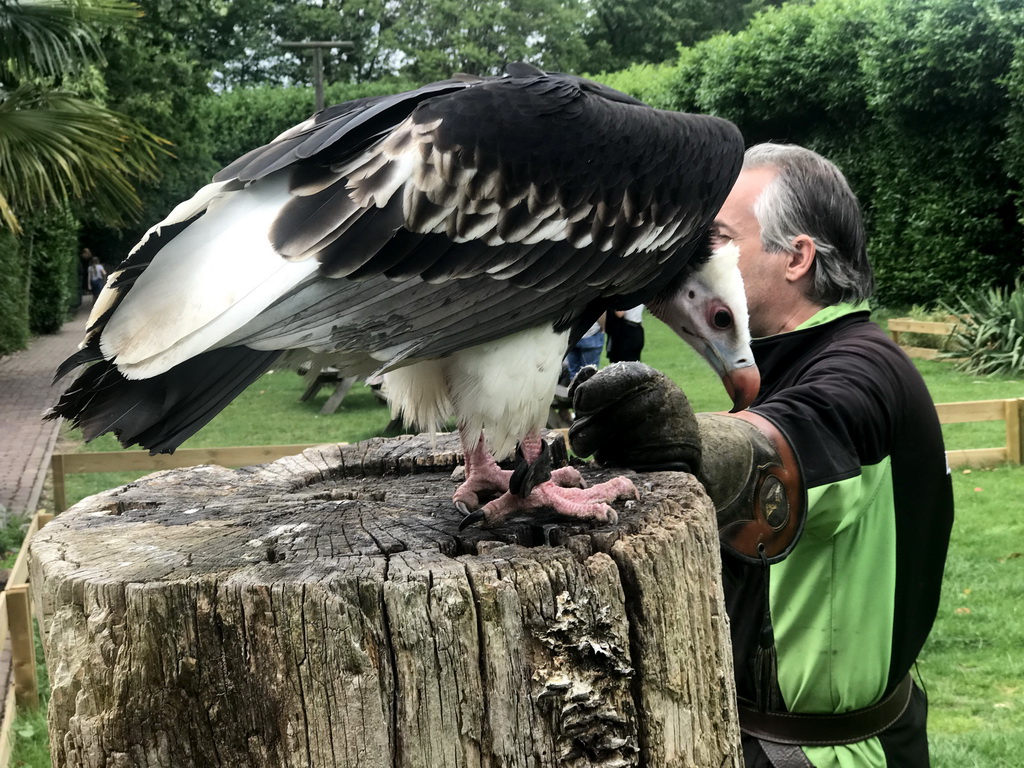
[
  {"x": 125, "y": 461},
  {"x": 16, "y": 622},
  {"x": 1011, "y": 411},
  {"x": 900, "y": 325},
  {"x": 1012, "y": 451}
]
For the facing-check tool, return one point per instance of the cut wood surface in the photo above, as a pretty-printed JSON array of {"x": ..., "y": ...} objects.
[{"x": 325, "y": 610}]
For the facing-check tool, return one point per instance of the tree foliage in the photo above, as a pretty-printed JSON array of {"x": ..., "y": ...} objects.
[
  {"x": 627, "y": 32},
  {"x": 54, "y": 145}
]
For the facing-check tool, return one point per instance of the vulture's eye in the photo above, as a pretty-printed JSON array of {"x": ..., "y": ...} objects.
[{"x": 722, "y": 319}]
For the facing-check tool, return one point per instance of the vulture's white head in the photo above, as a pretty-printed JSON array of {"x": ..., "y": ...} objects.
[{"x": 709, "y": 312}]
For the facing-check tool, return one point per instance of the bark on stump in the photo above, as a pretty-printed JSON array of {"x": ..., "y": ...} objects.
[{"x": 324, "y": 610}]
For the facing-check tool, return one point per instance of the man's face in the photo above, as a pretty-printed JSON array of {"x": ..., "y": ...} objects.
[{"x": 764, "y": 274}]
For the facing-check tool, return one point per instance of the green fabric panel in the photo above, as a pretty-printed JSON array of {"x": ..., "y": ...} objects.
[
  {"x": 832, "y": 602},
  {"x": 864, "y": 754},
  {"x": 828, "y": 314}
]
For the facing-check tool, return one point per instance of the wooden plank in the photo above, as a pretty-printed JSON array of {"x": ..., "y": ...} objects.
[
  {"x": 23, "y": 646},
  {"x": 906, "y": 325},
  {"x": 19, "y": 571},
  {"x": 338, "y": 395},
  {"x": 976, "y": 457},
  {"x": 4, "y": 626},
  {"x": 6, "y": 742},
  {"x": 1014, "y": 441},
  {"x": 921, "y": 353},
  {"x": 60, "y": 499},
  {"x": 971, "y": 410},
  {"x": 123, "y": 461}
]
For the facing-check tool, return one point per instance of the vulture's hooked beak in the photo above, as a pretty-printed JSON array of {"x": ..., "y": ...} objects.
[
  {"x": 742, "y": 385},
  {"x": 742, "y": 381}
]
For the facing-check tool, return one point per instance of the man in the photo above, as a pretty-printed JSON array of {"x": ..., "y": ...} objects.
[{"x": 833, "y": 495}]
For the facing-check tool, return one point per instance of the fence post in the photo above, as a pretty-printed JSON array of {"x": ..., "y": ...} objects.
[
  {"x": 23, "y": 646},
  {"x": 60, "y": 502},
  {"x": 1015, "y": 430}
]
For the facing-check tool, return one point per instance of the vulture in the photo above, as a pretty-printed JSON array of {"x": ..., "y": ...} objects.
[{"x": 457, "y": 238}]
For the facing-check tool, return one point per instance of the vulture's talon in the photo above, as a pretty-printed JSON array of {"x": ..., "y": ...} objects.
[{"x": 471, "y": 519}]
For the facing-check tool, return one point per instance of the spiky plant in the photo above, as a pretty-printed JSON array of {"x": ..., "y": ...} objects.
[{"x": 991, "y": 332}]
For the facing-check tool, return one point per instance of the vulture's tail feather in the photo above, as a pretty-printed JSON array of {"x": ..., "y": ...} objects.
[{"x": 160, "y": 413}]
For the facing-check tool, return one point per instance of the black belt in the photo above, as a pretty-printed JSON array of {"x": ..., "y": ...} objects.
[{"x": 827, "y": 730}]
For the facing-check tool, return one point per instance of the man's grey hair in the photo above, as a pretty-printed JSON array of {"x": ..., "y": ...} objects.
[{"x": 810, "y": 196}]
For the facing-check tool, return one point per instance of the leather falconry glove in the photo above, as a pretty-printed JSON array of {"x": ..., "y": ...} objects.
[{"x": 630, "y": 415}]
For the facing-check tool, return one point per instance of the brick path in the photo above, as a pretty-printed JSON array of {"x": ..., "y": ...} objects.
[{"x": 26, "y": 441}]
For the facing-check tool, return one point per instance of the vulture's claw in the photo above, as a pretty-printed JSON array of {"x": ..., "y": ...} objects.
[{"x": 471, "y": 519}]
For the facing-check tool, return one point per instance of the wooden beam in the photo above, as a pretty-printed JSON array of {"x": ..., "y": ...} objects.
[
  {"x": 921, "y": 353},
  {"x": 906, "y": 325},
  {"x": 19, "y": 571},
  {"x": 972, "y": 410},
  {"x": 976, "y": 457},
  {"x": 123, "y": 461},
  {"x": 1015, "y": 431},
  {"x": 23, "y": 646},
  {"x": 340, "y": 391},
  {"x": 57, "y": 468},
  {"x": 6, "y": 742}
]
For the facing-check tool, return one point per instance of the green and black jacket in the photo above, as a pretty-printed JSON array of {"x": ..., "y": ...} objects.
[{"x": 851, "y": 606}]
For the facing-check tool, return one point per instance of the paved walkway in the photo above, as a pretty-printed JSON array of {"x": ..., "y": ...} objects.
[{"x": 26, "y": 441}]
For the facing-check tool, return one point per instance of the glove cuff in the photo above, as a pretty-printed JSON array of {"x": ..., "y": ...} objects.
[{"x": 751, "y": 473}]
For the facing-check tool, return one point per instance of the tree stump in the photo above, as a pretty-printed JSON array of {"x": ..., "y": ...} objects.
[{"x": 325, "y": 610}]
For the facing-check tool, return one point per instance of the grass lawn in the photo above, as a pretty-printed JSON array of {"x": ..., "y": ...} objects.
[{"x": 973, "y": 665}]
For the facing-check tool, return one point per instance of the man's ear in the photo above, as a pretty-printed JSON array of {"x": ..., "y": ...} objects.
[{"x": 801, "y": 257}]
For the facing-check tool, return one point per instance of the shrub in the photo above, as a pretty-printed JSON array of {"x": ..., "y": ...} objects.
[
  {"x": 52, "y": 238},
  {"x": 991, "y": 335},
  {"x": 14, "y": 333}
]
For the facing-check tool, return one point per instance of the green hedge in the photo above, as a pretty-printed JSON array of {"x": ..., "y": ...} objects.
[
  {"x": 14, "y": 334},
  {"x": 38, "y": 276},
  {"x": 919, "y": 101},
  {"x": 53, "y": 284},
  {"x": 247, "y": 118}
]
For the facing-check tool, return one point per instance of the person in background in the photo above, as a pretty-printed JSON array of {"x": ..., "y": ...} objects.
[
  {"x": 97, "y": 277},
  {"x": 832, "y": 491},
  {"x": 586, "y": 351},
  {"x": 625, "y": 332}
]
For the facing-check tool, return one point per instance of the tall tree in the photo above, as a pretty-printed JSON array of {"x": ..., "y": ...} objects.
[
  {"x": 438, "y": 37},
  {"x": 625, "y": 32},
  {"x": 54, "y": 145},
  {"x": 418, "y": 39}
]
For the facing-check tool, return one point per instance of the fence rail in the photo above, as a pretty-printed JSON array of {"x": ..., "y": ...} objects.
[
  {"x": 16, "y": 622},
  {"x": 900, "y": 325},
  {"x": 1011, "y": 411},
  {"x": 64, "y": 464}
]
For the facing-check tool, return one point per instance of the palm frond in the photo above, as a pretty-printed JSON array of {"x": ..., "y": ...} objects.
[
  {"x": 49, "y": 37},
  {"x": 55, "y": 147}
]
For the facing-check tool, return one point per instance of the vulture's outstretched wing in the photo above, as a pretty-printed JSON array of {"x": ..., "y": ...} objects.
[{"x": 394, "y": 229}]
